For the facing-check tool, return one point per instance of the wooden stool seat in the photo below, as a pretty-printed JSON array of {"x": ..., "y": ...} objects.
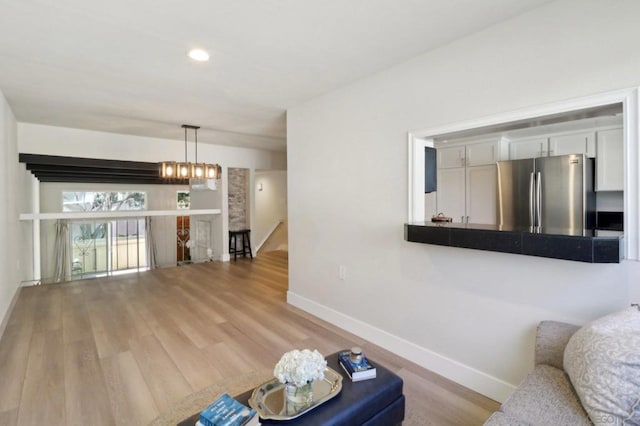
[{"x": 246, "y": 243}]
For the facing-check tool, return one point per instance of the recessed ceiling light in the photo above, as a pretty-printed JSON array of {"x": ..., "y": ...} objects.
[{"x": 199, "y": 55}]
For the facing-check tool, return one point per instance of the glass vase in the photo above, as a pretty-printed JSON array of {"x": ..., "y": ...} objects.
[{"x": 302, "y": 395}]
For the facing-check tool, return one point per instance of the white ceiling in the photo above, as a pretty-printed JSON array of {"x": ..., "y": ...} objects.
[{"x": 121, "y": 65}]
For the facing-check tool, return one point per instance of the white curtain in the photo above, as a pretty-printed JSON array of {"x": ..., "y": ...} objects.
[
  {"x": 63, "y": 251},
  {"x": 150, "y": 243}
]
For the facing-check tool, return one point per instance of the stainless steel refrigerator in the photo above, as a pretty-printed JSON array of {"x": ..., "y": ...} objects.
[{"x": 547, "y": 194}]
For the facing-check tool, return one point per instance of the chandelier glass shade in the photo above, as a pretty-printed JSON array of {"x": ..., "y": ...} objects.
[{"x": 187, "y": 170}]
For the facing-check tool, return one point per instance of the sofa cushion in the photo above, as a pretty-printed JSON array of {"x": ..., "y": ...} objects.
[
  {"x": 551, "y": 339},
  {"x": 603, "y": 361},
  {"x": 545, "y": 397}
]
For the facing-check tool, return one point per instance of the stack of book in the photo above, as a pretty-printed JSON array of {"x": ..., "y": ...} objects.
[
  {"x": 357, "y": 371},
  {"x": 226, "y": 411}
]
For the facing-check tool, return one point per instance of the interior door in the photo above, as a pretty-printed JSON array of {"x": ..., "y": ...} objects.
[{"x": 182, "y": 237}]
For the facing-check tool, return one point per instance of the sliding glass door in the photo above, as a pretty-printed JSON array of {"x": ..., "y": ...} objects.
[{"x": 101, "y": 248}]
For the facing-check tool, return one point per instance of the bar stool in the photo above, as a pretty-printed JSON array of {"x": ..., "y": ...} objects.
[{"x": 246, "y": 243}]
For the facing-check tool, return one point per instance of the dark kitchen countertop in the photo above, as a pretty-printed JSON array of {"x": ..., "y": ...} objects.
[
  {"x": 552, "y": 243},
  {"x": 503, "y": 228}
]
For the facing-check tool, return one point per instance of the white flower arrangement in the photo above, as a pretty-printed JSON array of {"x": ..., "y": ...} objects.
[
  {"x": 300, "y": 367},
  {"x": 189, "y": 244}
]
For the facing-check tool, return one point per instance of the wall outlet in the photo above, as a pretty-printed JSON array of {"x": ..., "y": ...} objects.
[{"x": 342, "y": 272}]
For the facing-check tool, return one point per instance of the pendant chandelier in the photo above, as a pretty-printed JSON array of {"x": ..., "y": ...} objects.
[{"x": 187, "y": 170}]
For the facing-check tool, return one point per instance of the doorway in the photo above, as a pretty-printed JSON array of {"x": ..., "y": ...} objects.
[
  {"x": 183, "y": 242},
  {"x": 270, "y": 233}
]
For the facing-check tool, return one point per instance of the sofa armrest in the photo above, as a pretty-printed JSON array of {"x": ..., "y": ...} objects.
[{"x": 551, "y": 339}]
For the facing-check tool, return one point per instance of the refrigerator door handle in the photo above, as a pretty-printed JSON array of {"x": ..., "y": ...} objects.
[
  {"x": 531, "y": 200},
  {"x": 539, "y": 198}
]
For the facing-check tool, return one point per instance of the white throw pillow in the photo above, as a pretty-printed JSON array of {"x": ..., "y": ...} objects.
[{"x": 602, "y": 360}]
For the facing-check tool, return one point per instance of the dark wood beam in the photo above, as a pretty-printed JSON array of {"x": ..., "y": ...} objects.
[{"x": 54, "y": 168}]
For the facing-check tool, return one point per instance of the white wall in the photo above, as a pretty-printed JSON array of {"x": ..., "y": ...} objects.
[
  {"x": 15, "y": 191},
  {"x": 270, "y": 203},
  {"x": 469, "y": 315},
  {"x": 50, "y": 140}
]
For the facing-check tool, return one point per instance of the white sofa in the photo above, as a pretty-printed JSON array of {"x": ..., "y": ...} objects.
[
  {"x": 582, "y": 376},
  {"x": 545, "y": 396}
]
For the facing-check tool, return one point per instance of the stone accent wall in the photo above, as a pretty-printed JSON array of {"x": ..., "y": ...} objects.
[{"x": 238, "y": 198}]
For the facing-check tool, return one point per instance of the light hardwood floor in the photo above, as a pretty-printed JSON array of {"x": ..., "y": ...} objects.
[{"x": 121, "y": 350}]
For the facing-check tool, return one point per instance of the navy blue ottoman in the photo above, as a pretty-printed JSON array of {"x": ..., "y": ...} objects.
[
  {"x": 378, "y": 402},
  {"x": 375, "y": 402}
]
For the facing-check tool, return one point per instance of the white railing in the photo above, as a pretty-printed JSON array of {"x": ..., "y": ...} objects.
[{"x": 206, "y": 234}]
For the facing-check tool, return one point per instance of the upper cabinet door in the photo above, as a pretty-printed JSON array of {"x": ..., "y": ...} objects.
[
  {"x": 480, "y": 154},
  {"x": 610, "y": 160},
  {"x": 574, "y": 143},
  {"x": 528, "y": 148},
  {"x": 451, "y": 156}
]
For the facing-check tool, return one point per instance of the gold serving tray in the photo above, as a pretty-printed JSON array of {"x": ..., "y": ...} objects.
[{"x": 270, "y": 403}]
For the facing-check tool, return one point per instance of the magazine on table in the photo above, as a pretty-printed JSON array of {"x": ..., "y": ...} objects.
[{"x": 226, "y": 411}]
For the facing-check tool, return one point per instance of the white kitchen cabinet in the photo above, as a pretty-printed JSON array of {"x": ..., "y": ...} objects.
[
  {"x": 450, "y": 196},
  {"x": 451, "y": 156},
  {"x": 482, "y": 153},
  {"x": 552, "y": 145},
  {"x": 481, "y": 194},
  {"x": 467, "y": 179},
  {"x": 468, "y": 194},
  {"x": 610, "y": 160},
  {"x": 471, "y": 154},
  {"x": 573, "y": 143},
  {"x": 528, "y": 148}
]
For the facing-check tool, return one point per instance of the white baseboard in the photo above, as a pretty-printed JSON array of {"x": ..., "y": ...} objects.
[
  {"x": 264, "y": 240},
  {"x": 5, "y": 319},
  {"x": 225, "y": 257},
  {"x": 465, "y": 375}
]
